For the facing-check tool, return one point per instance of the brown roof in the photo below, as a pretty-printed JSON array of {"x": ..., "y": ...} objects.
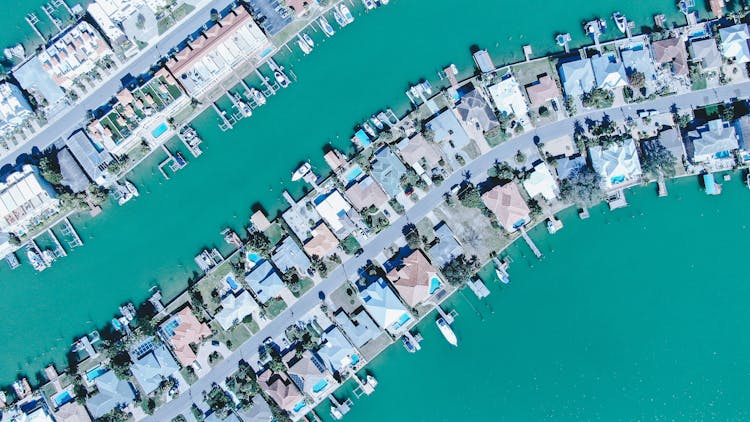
[
  {"x": 260, "y": 221},
  {"x": 323, "y": 242},
  {"x": 365, "y": 193},
  {"x": 419, "y": 148},
  {"x": 717, "y": 8},
  {"x": 334, "y": 159},
  {"x": 124, "y": 97},
  {"x": 413, "y": 277},
  {"x": 281, "y": 389},
  {"x": 542, "y": 90},
  {"x": 72, "y": 412},
  {"x": 189, "y": 331},
  {"x": 671, "y": 50},
  {"x": 507, "y": 204}
]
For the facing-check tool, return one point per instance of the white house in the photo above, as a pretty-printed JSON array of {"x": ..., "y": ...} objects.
[
  {"x": 713, "y": 141},
  {"x": 618, "y": 165},
  {"x": 734, "y": 43},
  {"x": 508, "y": 97},
  {"x": 609, "y": 72},
  {"x": 24, "y": 197},
  {"x": 235, "y": 308},
  {"x": 14, "y": 109},
  {"x": 577, "y": 77},
  {"x": 541, "y": 182},
  {"x": 386, "y": 309}
]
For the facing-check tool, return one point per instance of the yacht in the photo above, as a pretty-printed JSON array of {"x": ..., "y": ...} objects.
[
  {"x": 124, "y": 194},
  {"x": 339, "y": 19},
  {"x": 371, "y": 381},
  {"x": 375, "y": 121},
  {"x": 301, "y": 171},
  {"x": 326, "y": 26},
  {"x": 621, "y": 21},
  {"x": 281, "y": 78},
  {"x": 369, "y": 4},
  {"x": 346, "y": 13},
  {"x": 258, "y": 96},
  {"x": 48, "y": 256},
  {"x": 245, "y": 109},
  {"x": 384, "y": 2},
  {"x": 336, "y": 413},
  {"x": 132, "y": 189},
  {"x": 447, "y": 331},
  {"x": 502, "y": 276},
  {"x": 303, "y": 46},
  {"x": 36, "y": 260},
  {"x": 368, "y": 128},
  {"x": 308, "y": 40}
]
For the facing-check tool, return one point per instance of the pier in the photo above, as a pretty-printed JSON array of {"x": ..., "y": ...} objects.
[
  {"x": 12, "y": 260},
  {"x": 191, "y": 140},
  {"x": 225, "y": 124},
  {"x": 448, "y": 317},
  {"x": 531, "y": 244},
  {"x": 271, "y": 86},
  {"x": 414, "y": 340},
  {"x": 69, "y": 230},
  {"x": 32, "y": 20},
  {"x": 339, "y": 409},
  {"x": 174, "y": 161},
  {"x": 59, "y": 251},
  {"x": 661, "y": 186},
  {"x": 478, "y": 287},
  {"x": 363, "y": 388},
  {"x": 617, "y": 200},
  {"x": 528, "y": 52}
]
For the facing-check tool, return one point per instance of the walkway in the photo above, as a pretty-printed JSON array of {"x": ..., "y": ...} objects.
[{"x": 478, "y": 167}]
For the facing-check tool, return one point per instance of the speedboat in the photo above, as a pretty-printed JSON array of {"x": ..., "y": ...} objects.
[
  {"x": 621, "y": 21},
  {"x": 346, "y": 13},
  {"x": 384, "y": 2},
  {"x": 370, "y": 131},
  {"x": 303, "y": 46},
  {"x": 326, "y": 26},
  {"x": 502, "y": 276},
  {"x": 369, "y": 4},
  {"x": 281, "y": 78},
  {"x": 426, "y": 87},
  {"x": 132, "y": 189},
  {"x": 308, "y": 40},
  {"x": 36, "y": 260},
  {"x": 371, "y": 381},
  {"x": 258, "y": 96},
  {"x": 447, "y": 331},
  {"x": 48, "y": 256},
  {"x": 375, "y": 121},
  {"x": 301, "y": 171},
  {"x": 408, "y": 345},
  {"x": 339, "y": 19},
  {"x": 244, "y": 107},
  {"x": 124, "y": 193}
]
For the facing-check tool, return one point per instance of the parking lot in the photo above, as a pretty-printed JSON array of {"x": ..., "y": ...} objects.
[{"x": 271, "y": 15}]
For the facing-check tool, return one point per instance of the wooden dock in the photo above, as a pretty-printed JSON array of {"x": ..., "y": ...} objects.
[
  {"x": 531, "y": 244},
  {"x": 662, "y": 186}
]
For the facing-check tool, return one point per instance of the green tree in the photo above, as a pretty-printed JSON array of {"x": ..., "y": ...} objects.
[
  {"x": 657, "y": 158},
  {"x": 637, "y": 80},
  {"x": 49, "y": 168},
  {"x": 413, "y": 238},
  {"x": 470, "y": 197},
  {"x": 259, "y": 242},
  {"x": 460, "y": 269},
  {"x": 520, "y": 157},
  {"x": 218, "y": 400},
  {"x": 583, "y": 187},
  {"x": 599, "y": 98}
]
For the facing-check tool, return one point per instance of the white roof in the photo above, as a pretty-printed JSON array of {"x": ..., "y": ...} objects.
[
  {"x": 508, "y": 97},
  {"x": 541, "y": 182},
  {"x": 617, "y": 164},
  {"x": 383, "y": 304},
  {"x": 609, "y": 72},
  {"x": 235, "y": 308},
  {"x": 734, "y": 43},
  {"x": 331, "y": 208}
]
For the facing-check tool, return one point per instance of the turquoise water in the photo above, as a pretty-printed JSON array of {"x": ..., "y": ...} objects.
[{"x": 367, "y": 66}]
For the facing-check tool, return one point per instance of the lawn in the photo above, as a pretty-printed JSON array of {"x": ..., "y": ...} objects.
[
  {"x": 350, "y": 244},
  {"x": 274, "y": 307},
  {"x": 274, "y": 233},
  {"x": 528, "y": 72},
  {"x": 214, "y": 280},
  {"x": 179, "y": 13},
  {"x": 305, "y": 285},
  {"x": 233, "y": 337},
  {"x": 188, "y": 375}
]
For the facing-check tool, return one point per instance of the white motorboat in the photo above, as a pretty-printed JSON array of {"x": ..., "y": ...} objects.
[
  {"x": 132, "y": 189},
  {"x": 243, "y": 106},
  {"x": 503, "y": 277},
  {"x": 369, "y": 130},
  {"x": 384, "y": 2},
  {"x": 258, "y": 96},
  {"x": 447, "y": 331},
  {"x": 326, "y": 26},
  {"x": 378, "y": 124},
  {"x": 282, "y": 80},
  {"x": 48, "y": 256},
  {"x": 339, "y": 19},
  {"x": 124, "y": 194},
  {"x": 426, "y": 87},
  {"x": 336, "y": 413},
  {"x": 301, "y": 172},
  {"x": 303, "y": 46},
  {"x": 346, "y": 13},
  {"x": 621, "y": 21},
  {"x": 308, "y": 40},
  {"x": 371, "y": 381},
  {"x": 36, "y": 260}
]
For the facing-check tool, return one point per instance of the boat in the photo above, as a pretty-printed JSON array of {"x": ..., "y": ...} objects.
[
  {"x": 303, "y": 46},
  {"x": 502, "y": 276},
  {"x": 12, "y": 261},
  {"x": 426, "y": 87},
  {"x": 447, "y": 331},
  {"x": 551, "y": 227},
  {"x": 258, "y": 96},
  {"x": 326, "y": 26},
  {"x": 375, "y": 121},
  {"x": 124, "y": 194},
  {"x": 408, "y": 345},
  {"x": 384, "y": 2},
  {"x": 621, "y": 21},
  {"x": 15, "y": 51},
  {"x": 125, "y": 311},
  {"x": 747, "y": 180},
  {"x": 371, "y": 381},
  {"x": 370, "y": 131},
  {"x": 36, "y": 260},
  {"x": 244, "y": 107},
  {"x": 336, "y": 413},
  {"x": 369, "y": 4},
  {"x": 48, "y": 256},
  {"x": 281, "y": 78},
  {"x": 308, "y": 40},
  {"x": 346, "y": 13},
  {"x": 301, "y": 171},
  {"x": 339, "y": 19},
  {"x": 132, "y": 189}
]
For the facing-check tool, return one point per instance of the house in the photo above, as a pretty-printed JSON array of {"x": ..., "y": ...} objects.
[
  {"x": 387, "y": 169},
  {"x": 182, "y": 330},
  {"x": 111, "y": 392},
  {"x": 25, "y": 197},
  {"x": 336, "y": 352},
  {"x": 36, "y": 81},
  {"x": 415, "y": 279},
  {"x": 72, "y": 412},
  {"x": 384, "y": 306},
  {"x": 365, "y": 193},
  {"x": 609, "y": 72},
  {"x": 639, "y": 60},
  {"x": 419, "y": 154},
  {"x": 448, "y": 131},
  {"x": 475, "y": 113},
  {"x": 72, "y": 174},
  {"x": 73, "y": 53},
  {"x": 543, "y": 90},
  {"x": 322, "y": 243},
  {"x": 265, "y": 281},
  {"x": 153, "y": 366},
  {"x": 742, "y": 128},
  {"x": 671, "y": 140},
  {"x": 484, "y": 61},
  {"x": 568, "y": 165},
  {"x": 577, "y": 77},
  {"x": 541, "y": 182},
  {"x": 282, "y": 390},
  {"x": 14, "y": 108},
  {"x": 734, "y": 43},
  {"x": 309, "y": 374},
  {"x": 333, "y": 209},
  {"x": 260, "y": 411},
  {"x": 618, "y": 165},
  {"x": 288, "y": 255},
  {"x": 359, "y": 327},
  {"x": 334, "y": 159},
  {"x": 508, "y": 205},
  {"x": 235, "y": 308},
  {"x": 92, "y": 158},
  {"x": 713, "y": 141},
  {"x": 447, "y": 248},
  {"x": 672, "y": 52},
  {"x": 508, "y": 98},
  {"x": 706, "y": 52}
]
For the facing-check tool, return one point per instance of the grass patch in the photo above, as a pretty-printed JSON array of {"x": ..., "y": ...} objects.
[
  {"x": 274, "y": 307},
  {"x": 213, "y": 281},
  {"x": 233, "y": 337},
  {"x": 350, "y": 245},
  {"x": 188, "y": 375},
  {"x": 179, "y": 13},
  {"x": 527, "y": 73},
  {"x": 305, "y": 284},
  {"x": 274, "y": 233},
  {"x": 699, "y": 83}
]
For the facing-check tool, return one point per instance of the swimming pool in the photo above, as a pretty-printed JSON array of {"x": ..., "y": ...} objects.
[
  {"x": 159, "y": 130},
  {"x": 434, "y": 284},
  {"x": 722, "y": 154},
  {"x": 300, "y": 406},
  {"x": 353, "y": 174},
  {"x": 169, "y": 328},
  {"x": 355, "y": 359},
  {"x": 230, "y": 281},
  {"x": 617, "y": 179},
  {"x": 401, "y": 321},
  {"x": 95, "y": 373},
  {"x": 63, "y": 398},
  {"x": 320, "y": 386}
]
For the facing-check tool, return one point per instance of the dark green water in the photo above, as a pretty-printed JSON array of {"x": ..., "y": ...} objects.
[
  {"x": 637, "y": 314},
  {"x": 365, "y": 67}
]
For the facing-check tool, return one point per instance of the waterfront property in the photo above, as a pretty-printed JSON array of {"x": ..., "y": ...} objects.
[
  {"x": 384, "y": 306},
  {"x": 508, "y": 98},
  {"x": 14, "y": 108},
  {"x": 609, "y": 72},
  {"x": 447, "y": 247},
  {"x": 712, "y": 143},
  {"x": 705, "y": 53},
  {"x": 182, "y": 330},
  {"x": 336, "y": 352},
  {"x": 640, "y": 60},
  {"x": 541, "y": 182},
  {"x": 334, "y": 210},
  {"x": 568, "y": 165},
  {"x": 414, "y": 278},
  {"x": 671, "y": 52},
  {"x": 734, "y": 43},
  {"x": 309, "y": 374},
  {"x": 508, "y": 206},
  {"x": 543, "y": 90},
  {"x": 89, "y": 157},
  {"x": 475, "y": 113},
  {"x": 671, "y": 140},
  {"x": 617, "y": 165},
  {"x": 112, "y": 392},
  {"x": 234, "y": 308},
  {"x": 288, "y": 255},
  {"x": 419, "y": 154},
  {"x": 25, "y": 200},
  {"x": 387, "y": 169},
  {"x": 366, "y": 193},
  {"x": 321, "y": 243},
  {"x": 265, "y": 281},
  {"x": 282, "y": 390},
  {"x": 577, "y": 77},
  {"x": 359, "y": 327},
  {"x": 484, "y": 61},
  {"x": 448, "y": 132},
  {"x": 152, "y": 363}
]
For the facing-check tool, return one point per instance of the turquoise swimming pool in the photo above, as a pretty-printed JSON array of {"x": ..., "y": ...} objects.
[
  {"x": 355, "y": 359},
  {"x": 434, "y": 284},
  {"x": 300, "y": 406},
  {"x": 353, "y": 174},
  {"x": 617, "y": 179},
  {"x": 320, "y": 386},
  {"x": 95, "y": 373},
  {"x": 63, "y": 398},
  {"x": 401, "y": 321},
  {"x": 159, "y": 130}
]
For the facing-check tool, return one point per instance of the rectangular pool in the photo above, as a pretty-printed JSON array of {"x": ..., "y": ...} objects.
[{"x": 159, "y": 130}]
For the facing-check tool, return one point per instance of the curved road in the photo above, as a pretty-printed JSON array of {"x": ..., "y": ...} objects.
[{"x": 348, "y": 270}]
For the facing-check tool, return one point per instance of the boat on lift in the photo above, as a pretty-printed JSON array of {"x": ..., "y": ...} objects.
[
  {"x": 426, "y": 87},
  {"x": 621, "y": 21},
  {"x": 447, "y": 331},
  {"x": 35, "y": 259},
  {"x": 301, "y": 172},
  {"x": 336, "y": 413},
  {"x": 375, "y": 121},
  {"x": 282, "y": 80},
  {"x": 369, "y": 129},
  {"x": 243, "y": 106},
  {"x": 339, "y": 18},
  {"x": 326, "y": 26},
  {"x": 258, "y": 96},
  {"x": 369, "y": 4},
  {"x": 346, "y": 13},
  {"x": 371, "y": 381},
  {"x": 408, "y": 345},
  {"x": 303, "y": 45},
  {"x": 308, "y": 40}
]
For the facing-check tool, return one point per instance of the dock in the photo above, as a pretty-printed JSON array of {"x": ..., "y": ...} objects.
[
  {"x": 68, "y": 230},
  {"x": 528, "y": 52},
  {"x": 59, "y": 250},
  {"x": 563, "y": 40},
  {"x": 12, "y": 260},
  {"x": 448, "y": 317},
  {"x": 414, "y": 340},
  {"x": 661, "y": 186},
  {"x": 191, "y": 140},
  {"x": 478, "y": 287},
  {"x": 32, "y": 20},
  {"x": 271, "y": 86},
  {"x": 339, "y": 409},
  {"x": 554, "y": 224},
  {"x": 450, "y": 72},
  {"x": 363, "y": 388},
  {"x": 617, "y": 200},
  {"x": 531, "y": 244},
  {"x": 227, "y": 123},
  {"x": 174, "y": 161},
  {"x": 583, "y": 213}
]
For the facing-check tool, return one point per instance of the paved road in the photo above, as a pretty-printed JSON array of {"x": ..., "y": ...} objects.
[
  {"x": 72, "y": 117},
  {"x": 426, "y": 204}
]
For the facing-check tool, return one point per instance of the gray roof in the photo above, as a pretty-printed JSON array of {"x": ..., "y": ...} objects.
[
  {"x": 113, "y": 392},
  {"x": 707, "y": 52},
  {"x": 289, "y": 255},
  {"x": 577, "y": 77},
  {"x": 387, "y": 169},
  {"x": 447, "y": 128},
  {"x": 360, "y": 328},
  {"x": 265, "y": 281},
  {"x": 72, "y": 173},
  {"x": 742, "y": 127},
  {"x": 214, "y": 418},
  {"x": 567, "y": 165},
  {"x": 608, "y": 72},
  {"x": 714, "y": 137},
  {"x": 639, "y": 61},
  {"x": 93, "y": 160},
  {"x": 335, "y": 349},
  {"x": 259, "y": 412},
  {"x": 447, "y": 248},
  {"x": 150, "y": 369},
  {"x": 34, "y": 78},
  {"x": 474, "y": 111},
  {"x": 671, "y": 140}
]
